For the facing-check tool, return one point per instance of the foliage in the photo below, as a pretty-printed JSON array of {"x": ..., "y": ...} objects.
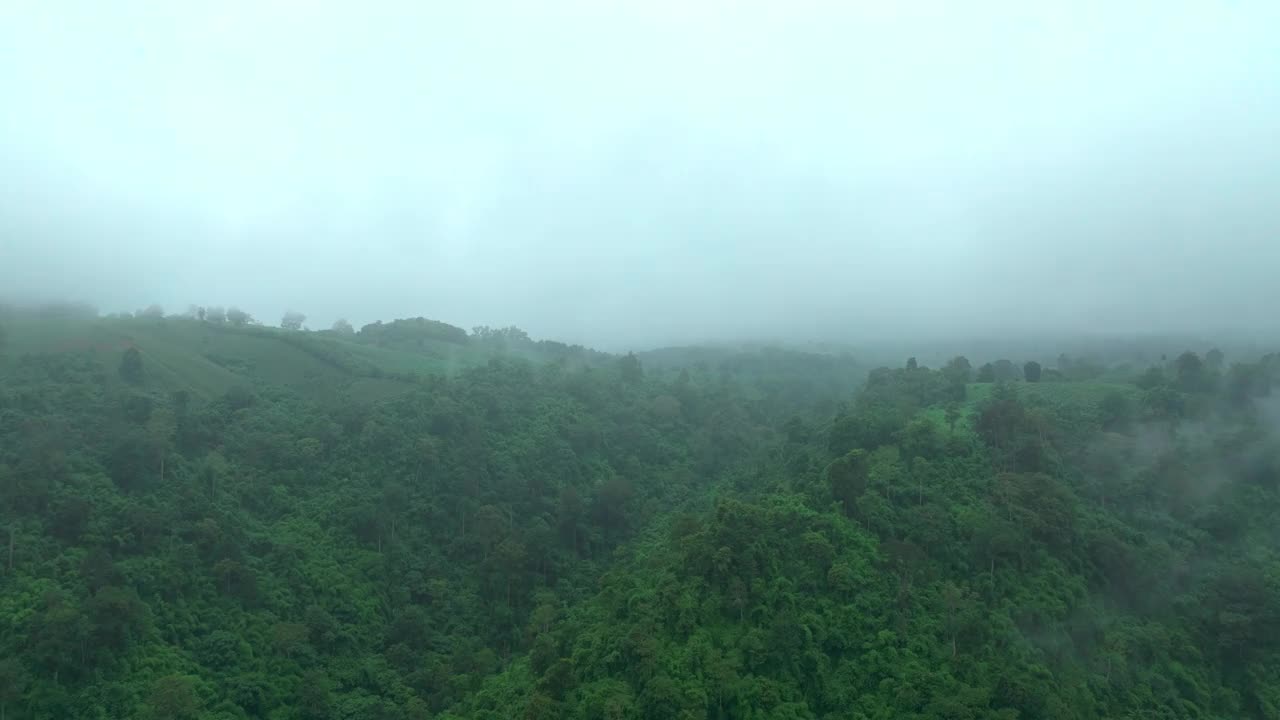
[
  {"x": 411, "y": 332},
  {"x": 131, "y": 366},
  {"x": 729, "y": 534},
  {"x": 1031, "y": 371},
  {"x": 292, "y": 320},
  {"x": 238, "y": 317}
]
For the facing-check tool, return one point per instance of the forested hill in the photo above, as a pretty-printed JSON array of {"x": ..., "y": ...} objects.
[
  {"x": 212, "y": 350},
  {"x": 209, "y": 519}
]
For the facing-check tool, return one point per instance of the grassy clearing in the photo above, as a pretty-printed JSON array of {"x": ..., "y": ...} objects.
[{"x": 208, "y": 358}]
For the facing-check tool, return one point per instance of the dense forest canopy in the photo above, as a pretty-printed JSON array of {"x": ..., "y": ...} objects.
[
  {"x": 206, "y": 517},
  {"x": 639, "y": 360}
]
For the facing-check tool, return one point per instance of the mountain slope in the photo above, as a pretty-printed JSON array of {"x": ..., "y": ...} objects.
[
  {"x": 275, "y": 550},
  {"x": 205, "y": 524},
  {"x": 1106, "y": 574}
]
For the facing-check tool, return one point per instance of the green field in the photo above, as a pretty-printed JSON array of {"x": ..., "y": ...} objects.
[{"x": 208, "y": 358}]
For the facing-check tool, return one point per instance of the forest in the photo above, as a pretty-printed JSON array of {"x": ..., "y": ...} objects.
[{"x": 204, "y": 517}]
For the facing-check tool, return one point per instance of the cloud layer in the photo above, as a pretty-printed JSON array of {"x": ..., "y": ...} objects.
[{"x": 634, "y": 173}]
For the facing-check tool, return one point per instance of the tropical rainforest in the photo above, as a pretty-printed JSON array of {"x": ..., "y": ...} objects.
[{"x": 204, "y": 517}]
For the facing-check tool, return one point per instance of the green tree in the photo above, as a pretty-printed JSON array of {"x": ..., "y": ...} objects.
[
  {"x": 131, "y": 366},
  {"x": 173, "y": 697},
  {"x": 1152, "y": 378},
  {"x": 1246, "y": 382},
  {"x": 986, "y": 373},
  {"x": 213, "y": 469},
  {"x": 847, "y": 477},
  {"x": 1004, "y": 370},
  {"x": 1002, "y": 422},
  {"x": 290, "y": 639},
  {"x": 59, "y": 637},
  {"x": 13, "y": 683},
  {"x": 958, "y": 373},
  {"x": 629, "y": 367},
  {"x": 117, "y": 617},
  {"x": 1031, "y": 371},
  {"x": 959, "y": 608},
  {"x": 238, "y": 317},
  {"x": 958, "y": 369},
  {"x": 292, "y": 320},
  {"x": 952, "y": 415},
  {"x": 1116, "y": 411},
  {"x": 1192, "y": 375},
  {"x": 919, "y": 439},
  {"x": 161, "y": 427},
  {"x": 661, "y": 698}
]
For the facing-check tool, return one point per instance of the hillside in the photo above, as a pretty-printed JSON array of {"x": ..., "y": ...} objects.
[
  {"x": 411, "y": 521},
  {"x": 207, "y": 358},
  {"x": 1061, "y": 554}
]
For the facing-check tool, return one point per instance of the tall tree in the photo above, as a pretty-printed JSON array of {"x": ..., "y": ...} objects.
[
  {"x": 131, "y": 366},
  {"x": 952, "y": 415},
  {"x": 1031, "y": 371},
  {"x": 314, "y": 701},
  {"x": 212, "y": 470},
  {"x": 958, "y": 369},
  {"x": 987, "y": 373},
  {"x": 629, "y": 366},
  {"x": 13, "y": 683},
  {"x": 293, "y": 320},
  {"x": 238, "y": 317},
  {"x": 847, "y": 477},
  {"x": 173, "y": 697},
  {"x": 957, "y": 606},
  {"x": 1192, "y": 375},
  {"x": 1005, "y": 370},
  {"x": 161, "y": 427}
]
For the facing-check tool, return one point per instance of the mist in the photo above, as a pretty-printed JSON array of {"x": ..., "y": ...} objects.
[{"x": 639, "y": 173}]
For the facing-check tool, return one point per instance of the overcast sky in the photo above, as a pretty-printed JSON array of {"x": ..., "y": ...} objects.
[{"x": 637, "y": 173}]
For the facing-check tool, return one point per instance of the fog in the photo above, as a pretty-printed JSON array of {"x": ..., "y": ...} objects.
[{"x": 639, "y": 173}]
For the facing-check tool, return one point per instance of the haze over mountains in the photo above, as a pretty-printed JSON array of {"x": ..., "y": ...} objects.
[
  {"x": 639, "y": 360},
  {"x": 645, "y": 174}
]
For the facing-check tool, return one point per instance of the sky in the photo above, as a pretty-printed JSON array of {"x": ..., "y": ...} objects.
[{"x": 630, "y": 174}]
